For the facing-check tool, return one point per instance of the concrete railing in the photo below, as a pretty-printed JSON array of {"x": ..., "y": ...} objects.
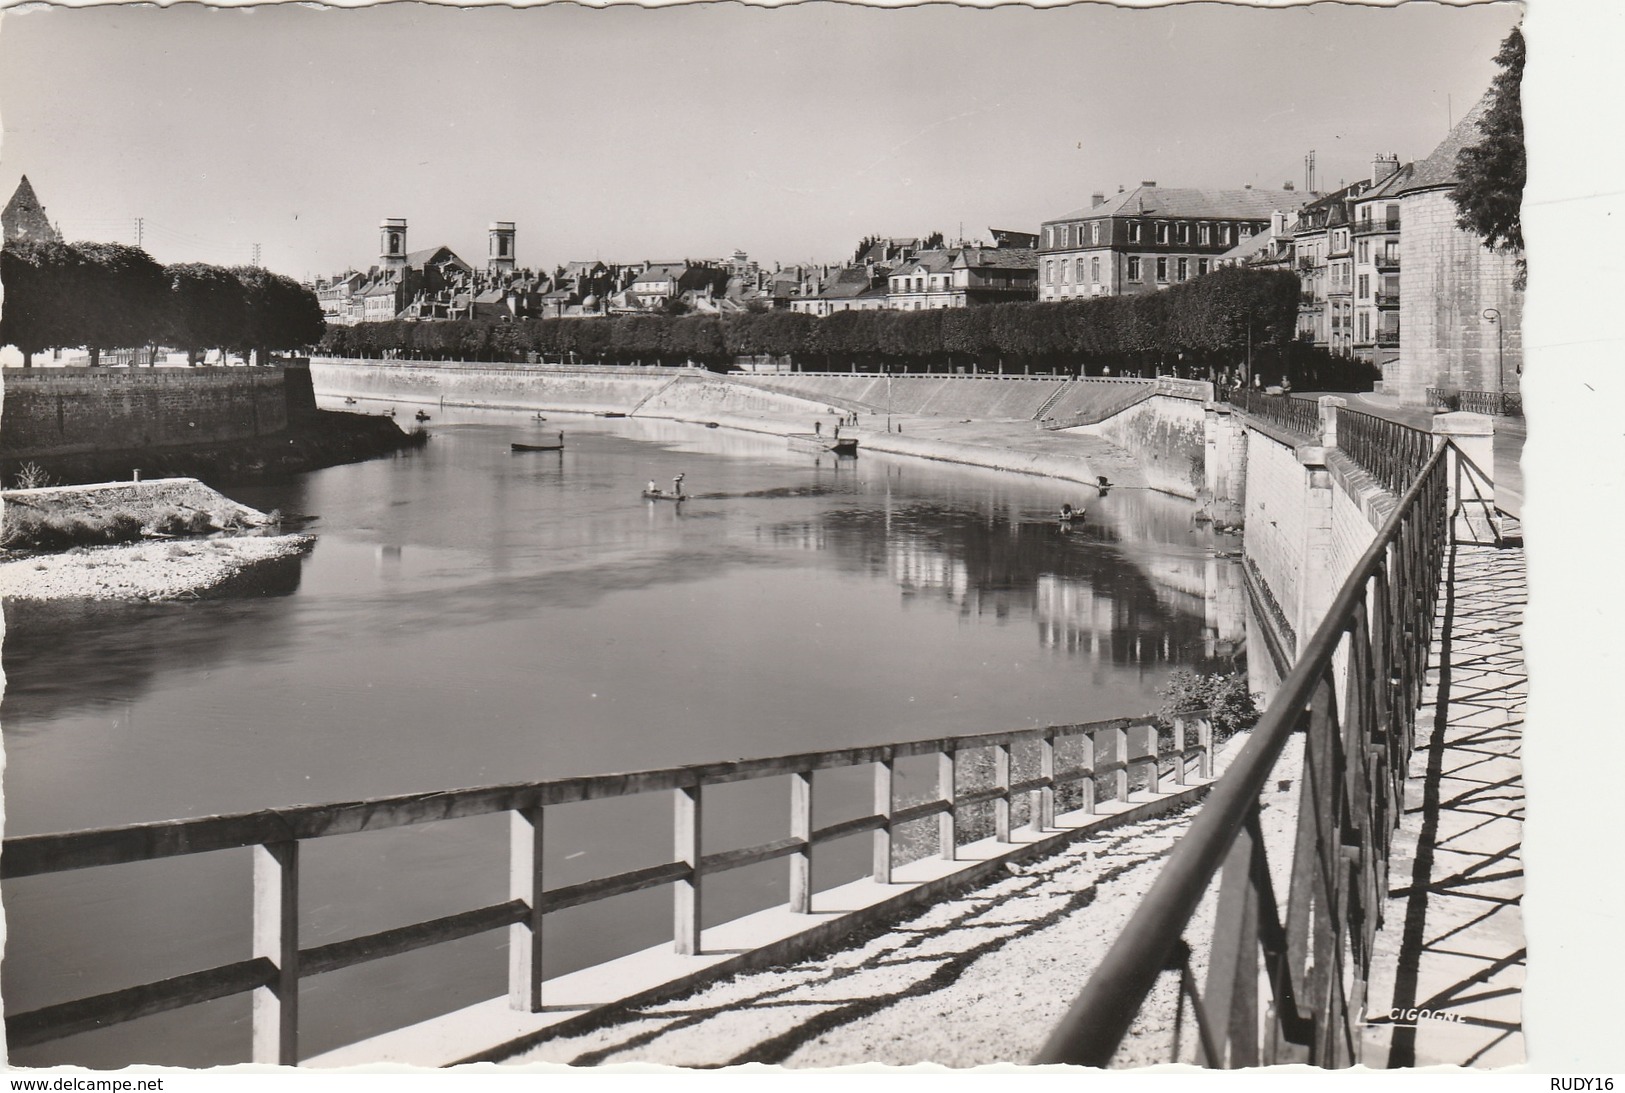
[{"x": 1115, "y": 754}]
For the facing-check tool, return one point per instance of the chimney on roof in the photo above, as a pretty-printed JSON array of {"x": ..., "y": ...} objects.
[
  {"x": 1119, "y": 187},
  {"x": 1149, "y": 184},
  {"x": 1096, "y": 199},
  {"x": 1248, "y": 186},
  {"x": 1383, "y": 165},
  {"x": 1288, "y": 186}
]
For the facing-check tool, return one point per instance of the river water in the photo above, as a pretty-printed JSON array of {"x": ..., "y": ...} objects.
[{"x": 472, "y": 615}]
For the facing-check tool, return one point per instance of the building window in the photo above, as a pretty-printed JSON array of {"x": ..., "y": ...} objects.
[
  {"x": 1066, "y": 271},
  {"x": 1094, "y": 232},
  {"x": 1224, "y": 235},
  {"x": 1134, "y": 268},
  {"x": 1162, "y": 271},
  {"x": 1365, "y": 326},
  {"x": 1365, "y": 251},
  {"x": 1134, "y": 231},
  {"x": 1049, "y": 271},
  {"x": 1184, "y": 269},
  {"x": 1365, "y": 287},
  {"x": 1184, "y": 232},
  {"x": 1244, "y": 230},
  {"x": 1205, "y": 235},
  {"x": 1162, "y": 232},
  {"x": 1094, "y": 270},
  {"x": 1201, "y": 266}
]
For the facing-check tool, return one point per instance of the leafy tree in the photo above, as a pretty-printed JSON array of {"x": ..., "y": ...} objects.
[
  {"x": 278, "y": 313},
  {"x": 1489, "y": 195},
  {"x": 207, "y": 307},
  {"x": 932, "y": 241},
  {"x": 122, "y": 295},
  {"x": 35, "y": 276}
]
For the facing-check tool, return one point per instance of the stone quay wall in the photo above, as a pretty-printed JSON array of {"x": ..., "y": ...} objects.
[
  {"x": 1168, "y": 434},
  {"x": 50, "y": 412}
]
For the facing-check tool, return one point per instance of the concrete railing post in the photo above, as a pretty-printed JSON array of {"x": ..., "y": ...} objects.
[
  {"x": 1471, "y": 489},
  {"x": 1329, "y": 405},
  {"x": 1320, "y": 583}
]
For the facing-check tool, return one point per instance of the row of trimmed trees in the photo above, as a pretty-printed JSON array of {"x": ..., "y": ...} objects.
[
  {"x": 1212, "y": 321},
  {"x": 114, "y": 296}
]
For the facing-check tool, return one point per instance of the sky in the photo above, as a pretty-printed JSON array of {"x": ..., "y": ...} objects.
[{"x": 630, "y": 134}]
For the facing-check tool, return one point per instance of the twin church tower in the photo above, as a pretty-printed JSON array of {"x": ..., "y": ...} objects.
[{"x": 394, "y": 255}]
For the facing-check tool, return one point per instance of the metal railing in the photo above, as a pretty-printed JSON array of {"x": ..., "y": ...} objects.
[
  {"x": 1388, "y": 339},
  {"x": 1297, "y": 415},
  {"x": 1311, "y": 960},
  {"x": 1394, "y": 454},
  {"x": 1386, "y": 299},
  {"x": 1386, "y": 261},
  {"x": 1494, "y": 403},
  {"x": 1367, "y": 225},
  {"x": 1116, "y": 754}
]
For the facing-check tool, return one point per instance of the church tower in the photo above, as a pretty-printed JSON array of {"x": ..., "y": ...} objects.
[
  {"x": 501, "y": 257},
  {"x": 392, "y": 243},
  {"x": 24, "y": 217}
]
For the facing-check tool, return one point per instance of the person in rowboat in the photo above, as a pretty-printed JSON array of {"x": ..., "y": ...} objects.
[{"x": 677, "y": 486}]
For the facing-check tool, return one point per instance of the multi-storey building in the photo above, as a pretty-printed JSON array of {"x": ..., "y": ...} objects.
[
  {"x": 1375, "y": 224},
  {"x": 1149, "y": 238},
  {"x": 923, "y": 282},
  {"x": 853, "y": 288}
]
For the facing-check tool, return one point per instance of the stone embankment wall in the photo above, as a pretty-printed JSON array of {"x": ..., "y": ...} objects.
[
  {"x": 706, "y": 397},
  {"x": 504, "y": 386},
  {"x": 981, "y": 398},
  {"x": 61, "y": 412},
  {"x": 1168, "y": 434}
]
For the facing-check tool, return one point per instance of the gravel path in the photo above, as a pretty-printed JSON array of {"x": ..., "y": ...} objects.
[{"x": 141, "y": 571}]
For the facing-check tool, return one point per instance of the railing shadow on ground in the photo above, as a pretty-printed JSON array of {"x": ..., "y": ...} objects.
[
  {"x": 1310, "y": 959},
  {"x": 1076, "y": 766}
]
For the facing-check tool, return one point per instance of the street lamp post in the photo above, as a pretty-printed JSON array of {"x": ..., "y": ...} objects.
[{"x": 1494, "y": 316}]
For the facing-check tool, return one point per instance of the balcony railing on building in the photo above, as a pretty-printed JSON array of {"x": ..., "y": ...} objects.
[
  {"x": 1387, "y": 299},
  {"x": 1386, "y": 261},
  {"x": 1388, "y": 339},
  {"x": 1369, "y": 225}
]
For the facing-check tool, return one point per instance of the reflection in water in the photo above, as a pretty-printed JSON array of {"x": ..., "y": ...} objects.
[{"x": 468, "y": 617}]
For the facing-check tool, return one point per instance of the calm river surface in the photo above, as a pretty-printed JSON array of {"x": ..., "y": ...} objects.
[{"x": 471, "y": 615}]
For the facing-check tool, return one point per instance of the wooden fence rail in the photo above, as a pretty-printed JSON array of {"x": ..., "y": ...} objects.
[{"x": 1117, "y": 753}]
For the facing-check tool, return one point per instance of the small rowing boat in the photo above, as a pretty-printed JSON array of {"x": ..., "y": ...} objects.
[
  {"x": 813, "y": 442},
  {"x": 664, "y": 495},
  {"x": 559, "y": 447},
  {"x": 421, "y": 416}
]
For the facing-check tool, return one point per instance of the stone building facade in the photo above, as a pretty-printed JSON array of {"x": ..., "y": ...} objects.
[{"x": 1460, "y": 307}]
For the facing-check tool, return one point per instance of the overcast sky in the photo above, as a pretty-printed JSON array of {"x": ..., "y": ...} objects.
[{"x": 628, "y": 134}]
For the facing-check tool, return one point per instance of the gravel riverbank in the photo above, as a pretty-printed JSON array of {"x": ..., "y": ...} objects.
[{"x": 142, "y": 571}]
